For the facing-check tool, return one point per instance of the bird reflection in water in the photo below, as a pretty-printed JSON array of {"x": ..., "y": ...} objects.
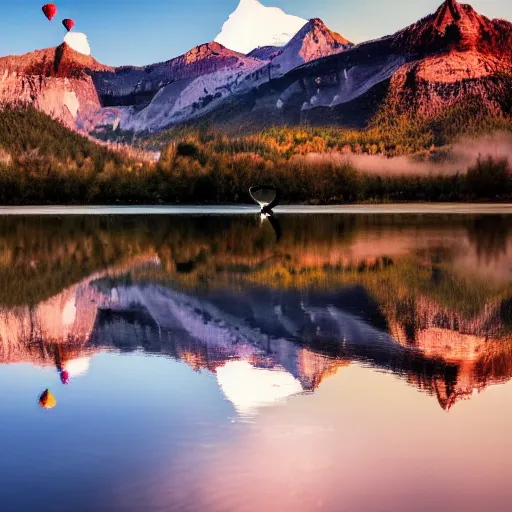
[
  {"x": 268, "y": 219},
  {"x": 267, "y": 196}
]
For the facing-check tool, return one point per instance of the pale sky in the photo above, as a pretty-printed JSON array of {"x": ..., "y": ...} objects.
[{"x": 147, "y": 31}]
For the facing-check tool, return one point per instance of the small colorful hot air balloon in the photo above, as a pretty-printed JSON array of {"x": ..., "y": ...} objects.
[
  {"x": 47, "y": 400},
  {"x": 68, "y": 24},
  {"x": 50, "y": 10},
  {"x": 64, "y": 377}
]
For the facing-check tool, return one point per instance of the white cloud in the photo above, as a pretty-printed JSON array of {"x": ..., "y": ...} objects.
[
  {"x": 77, "y": 367},
  {"x": 249, "y": 388},
  {"x": 252, "y": 25},
  {"x": 78, "y": 41}
]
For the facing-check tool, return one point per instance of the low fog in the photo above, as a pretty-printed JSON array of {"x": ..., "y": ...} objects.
[{"x": 462, "y": 155}]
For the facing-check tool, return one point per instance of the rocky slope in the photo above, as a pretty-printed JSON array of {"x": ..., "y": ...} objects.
[
  {"x": 265, "y": 53},
  {"x": 462, "y": 55},
  {"x": 56, "y": 80},
  {"x": 167, "y": 93},
  {"x": 312, "y": 42}
]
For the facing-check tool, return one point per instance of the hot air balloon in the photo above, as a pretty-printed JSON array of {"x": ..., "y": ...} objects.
[
  {"x": 64, "y": 377},
  {"x": 47, "y": 400},
  {"x": 50, "y": 10},
  {"x": 69, "y": 24}
]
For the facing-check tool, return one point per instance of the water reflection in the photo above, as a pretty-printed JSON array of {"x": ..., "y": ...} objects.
[{"x": 270, "y": 312}]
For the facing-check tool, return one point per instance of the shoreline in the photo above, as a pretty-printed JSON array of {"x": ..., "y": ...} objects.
[{"x": 362, "y": 209}]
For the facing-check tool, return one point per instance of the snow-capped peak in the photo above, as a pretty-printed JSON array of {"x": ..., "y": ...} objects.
[{"x": 253, "y": 25}]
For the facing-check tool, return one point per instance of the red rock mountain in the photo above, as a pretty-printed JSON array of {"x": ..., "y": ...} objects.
[
  {"x": 456, "y": 27},
  {"x": 59, "y": 62},
  {"x": 312, "y": 42},
  {"x": 463, "y": 56},
  {"x": 56, "y": 81}
]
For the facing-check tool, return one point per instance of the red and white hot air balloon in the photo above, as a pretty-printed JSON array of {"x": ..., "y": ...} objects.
[
  {"x": 68, "y": 24},
  {"x": 50, "y": 10}
]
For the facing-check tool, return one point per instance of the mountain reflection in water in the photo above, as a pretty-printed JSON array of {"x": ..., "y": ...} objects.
[{"x": 272, "y": 310}]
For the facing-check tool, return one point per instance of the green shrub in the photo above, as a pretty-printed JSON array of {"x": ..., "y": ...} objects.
[{"x": 489, "y": 179}]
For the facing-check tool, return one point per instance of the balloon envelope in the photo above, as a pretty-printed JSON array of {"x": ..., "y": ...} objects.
[
  {"x": 68, "y": 24},
  {"x": 47, "y": 400},
  {"x": 50, "y": 10}
]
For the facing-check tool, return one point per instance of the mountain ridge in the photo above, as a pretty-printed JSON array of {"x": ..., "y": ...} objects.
[
  {"x": 54, "y": 61},
  {"x": 313, "y": 41},
  {"x": 458, "y": 27}
]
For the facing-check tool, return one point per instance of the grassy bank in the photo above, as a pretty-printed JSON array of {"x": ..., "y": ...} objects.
[{"x": 41, "y": 162}]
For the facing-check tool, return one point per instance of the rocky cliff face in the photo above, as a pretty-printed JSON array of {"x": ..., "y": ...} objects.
[
  {"x": 456, "y": 27},
  {"x": 56, "y": 80},
  {"x": 461, "y": 55}
]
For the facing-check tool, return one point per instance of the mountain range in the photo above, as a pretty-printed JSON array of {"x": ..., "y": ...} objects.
[{"x": 317, "y": 76}]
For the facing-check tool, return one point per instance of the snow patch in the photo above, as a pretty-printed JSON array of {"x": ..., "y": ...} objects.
[
  {"x": 78, "y": 41},
  {"x": 69, "y": 313},
  {"x": 72, "y": 103},
  {"x": 253, "y": 25}
]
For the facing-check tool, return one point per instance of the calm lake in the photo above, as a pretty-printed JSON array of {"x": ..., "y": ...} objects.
[{"x": 334, "y": 362}]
